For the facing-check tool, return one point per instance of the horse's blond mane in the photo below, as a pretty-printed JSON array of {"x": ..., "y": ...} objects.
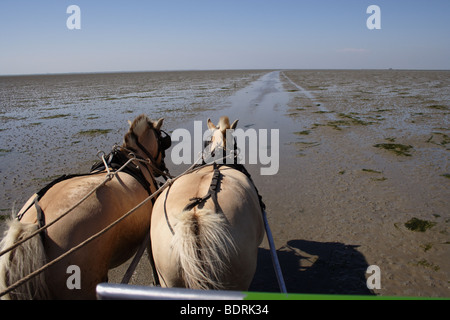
[
  {"x": 224, "y": 123},
  {"x": 140, "y": 124},
  {"x": 137, "y": 128}
]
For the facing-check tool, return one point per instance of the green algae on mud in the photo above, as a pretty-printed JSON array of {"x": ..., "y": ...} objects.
[
  {"x": 424, "y": 263},
  {"x": 94, "y": 132},
  {"x": 397, "y": 148},
  {"x": 419, "y": 225},
  {"x": 56, "y": 116},
  {"x": 303, "y": 133},
  {"x": 438, "y": 107}
]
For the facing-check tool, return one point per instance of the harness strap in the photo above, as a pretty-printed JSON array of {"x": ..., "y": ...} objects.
[
  {"x": 115, "y": 160},
  {"x": 242, "y": 169},
  {"x": 40, "y": 217},
  {"x": 212, "y": 192},
  {"x": 165, "y": 211},
  {"x": 41, "y": 193},
  {"x": 214, "y": 188}
]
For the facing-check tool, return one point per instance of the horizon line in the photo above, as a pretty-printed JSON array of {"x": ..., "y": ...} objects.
[{"x": 213, "y": 69}]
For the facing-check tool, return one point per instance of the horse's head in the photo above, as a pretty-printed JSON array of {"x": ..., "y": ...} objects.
[
  {"x": 146, "y": 139},
  {"x": 219, "y": 138}
]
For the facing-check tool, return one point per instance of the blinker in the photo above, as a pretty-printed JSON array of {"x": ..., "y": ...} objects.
[{"x": 165, "y": 141}]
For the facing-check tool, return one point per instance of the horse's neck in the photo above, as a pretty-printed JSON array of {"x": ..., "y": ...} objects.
[{"x": 147, "y": 171}]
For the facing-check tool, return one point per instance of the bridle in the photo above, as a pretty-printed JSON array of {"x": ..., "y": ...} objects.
[
  {"x": 225, "y": 151},
  {"x": 164, "y": 143}
]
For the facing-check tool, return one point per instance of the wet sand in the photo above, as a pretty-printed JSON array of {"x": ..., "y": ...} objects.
[
  {"x": 338, "y": 203},
  {"x": 361, "y": 196}
]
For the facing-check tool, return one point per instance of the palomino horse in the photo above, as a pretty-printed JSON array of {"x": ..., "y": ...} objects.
[
  {"x": 208, "y": 242},
  {"x": 127, "y": 189}
]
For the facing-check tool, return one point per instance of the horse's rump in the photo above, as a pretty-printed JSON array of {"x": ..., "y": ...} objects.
[{"x": 203, "y": 246}]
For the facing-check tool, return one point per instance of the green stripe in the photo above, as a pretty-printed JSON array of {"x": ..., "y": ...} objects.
[{"x": 293, "y": 296}]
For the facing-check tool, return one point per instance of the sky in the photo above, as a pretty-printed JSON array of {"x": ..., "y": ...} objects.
[{"x": 138, "y": 35}]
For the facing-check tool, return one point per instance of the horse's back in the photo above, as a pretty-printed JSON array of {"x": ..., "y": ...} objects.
[
  {"x": 88, "y": 217},
  {"x": 236, "y": 195},
  {"x": 239, "y": 205}
]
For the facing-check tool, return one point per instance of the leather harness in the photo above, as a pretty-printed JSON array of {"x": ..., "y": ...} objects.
[
  {"x": 115, "y": 160},
  {"x": 214, "y": 188}
]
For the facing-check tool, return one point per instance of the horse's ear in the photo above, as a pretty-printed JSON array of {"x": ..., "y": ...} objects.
[
  {"x": 159, "y": 124},
  {"x": 234, "y": 125},
  {"x": 211, "y": 125},
  {"x": 128, "y": 139}
]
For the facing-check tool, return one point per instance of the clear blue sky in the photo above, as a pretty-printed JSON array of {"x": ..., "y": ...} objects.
[{"x": 138, "y": 35}]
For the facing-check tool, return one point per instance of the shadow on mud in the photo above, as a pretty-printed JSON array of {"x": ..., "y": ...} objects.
[{"x": 314, "y": 267}]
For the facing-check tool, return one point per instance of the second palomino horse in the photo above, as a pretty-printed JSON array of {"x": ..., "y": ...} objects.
[{"x": 206, "y": 228}]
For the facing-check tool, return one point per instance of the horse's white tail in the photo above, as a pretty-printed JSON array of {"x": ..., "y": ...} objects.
[
  {"x": 21, "y": 261},
  {"x": 203, "y": 246}
]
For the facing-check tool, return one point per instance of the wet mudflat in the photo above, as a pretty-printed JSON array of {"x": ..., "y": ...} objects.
[{"x": 363, "y": 161}]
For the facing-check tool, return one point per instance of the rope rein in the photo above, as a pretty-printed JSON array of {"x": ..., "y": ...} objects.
[{"x": 108, "y": 178}]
